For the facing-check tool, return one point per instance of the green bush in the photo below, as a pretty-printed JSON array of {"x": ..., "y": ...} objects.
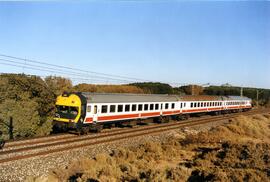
[{"x": 29, "y": 101}]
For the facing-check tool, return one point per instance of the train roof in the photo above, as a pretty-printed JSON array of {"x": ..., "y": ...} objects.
[
  {"x": 201, "y": 98},
  {"x": 125, "y": 97},
  {"x": 238, "y": 98}
]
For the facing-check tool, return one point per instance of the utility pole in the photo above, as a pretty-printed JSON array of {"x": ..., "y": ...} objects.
[
  {"x": 10, "y": 127},
  {"x": 257, "y": 98},
  {"x": 241, "y": 92},
  {"x": 10, "y": 131}
]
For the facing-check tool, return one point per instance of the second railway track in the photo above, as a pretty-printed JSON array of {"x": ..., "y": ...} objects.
[{"x": 41, "y": 148}]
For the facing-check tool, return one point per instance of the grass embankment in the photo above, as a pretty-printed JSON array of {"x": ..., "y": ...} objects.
[{"x": 238, "y": 151}]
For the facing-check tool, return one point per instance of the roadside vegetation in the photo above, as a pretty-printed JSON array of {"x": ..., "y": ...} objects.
[{"x": 238, "y": 151}]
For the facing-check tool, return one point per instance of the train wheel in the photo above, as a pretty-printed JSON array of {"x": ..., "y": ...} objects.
[
  {"x": 84, "y": 130},
  {"x": 163, "y": 119},
  {"x": 98, "y": 128}
]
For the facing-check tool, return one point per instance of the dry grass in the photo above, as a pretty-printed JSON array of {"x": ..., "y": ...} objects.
[{"x": 238, "y": 151}]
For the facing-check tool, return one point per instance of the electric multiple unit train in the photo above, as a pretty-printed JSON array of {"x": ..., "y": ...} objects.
[{"x": 84, "y": 111}]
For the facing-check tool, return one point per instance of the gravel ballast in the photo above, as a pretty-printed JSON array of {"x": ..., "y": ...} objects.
[{"x": 39, "y": 166}]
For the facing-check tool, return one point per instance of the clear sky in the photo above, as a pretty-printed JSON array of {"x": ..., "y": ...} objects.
[{"x": 168, "y": 41}]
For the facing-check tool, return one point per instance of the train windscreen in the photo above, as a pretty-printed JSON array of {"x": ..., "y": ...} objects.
[{"x": 67, "y": 112}]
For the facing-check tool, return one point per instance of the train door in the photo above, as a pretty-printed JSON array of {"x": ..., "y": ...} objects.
[
  {"x": 95, "y": 115},
  {"x": 161, "y": 109}
]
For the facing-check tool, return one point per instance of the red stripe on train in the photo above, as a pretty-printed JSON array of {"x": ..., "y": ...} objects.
[
  {"x": 150, "y": 114},
  {"x": 125, "y": 116}
]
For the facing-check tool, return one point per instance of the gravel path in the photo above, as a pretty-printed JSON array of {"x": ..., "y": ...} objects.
[{"x": 38, "y": 166}]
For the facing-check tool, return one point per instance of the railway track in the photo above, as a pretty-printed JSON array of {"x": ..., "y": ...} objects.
[{"x": 45, "y": 146}]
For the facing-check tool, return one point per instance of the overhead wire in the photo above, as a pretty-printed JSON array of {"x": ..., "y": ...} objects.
[
  {"x": 69, "y": 68},
  {"x": 54, "y": 68}
]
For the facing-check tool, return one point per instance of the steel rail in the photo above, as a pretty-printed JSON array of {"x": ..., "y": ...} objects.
[{"x": 160, "y": 128}]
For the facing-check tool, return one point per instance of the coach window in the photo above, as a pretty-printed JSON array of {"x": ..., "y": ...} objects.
[
  {"x": 191, "y": 104},
  {"x": 134, "y": 107},
  {"x": 120, "y": 108},
  {"x": 199, "y": 104},
  {"x": 104, "y": 109},
  {"x": 156, "y": 106},
  {"x": 151, "y": 107},
  {"x": 173, "y": 105},
  {"x": 145, "y": 107},
  {"x": 167, "y": 106},
  {"x": 127, "y": 108},
  {"x": 195, "y": 104},
  {"x": 181, "y": 105},
  {"x": 112, "y": 108},
  {"x": 140, "y": 107},
  {"x": 88, "y": 109},
  {"x": 95, "y": 109}
]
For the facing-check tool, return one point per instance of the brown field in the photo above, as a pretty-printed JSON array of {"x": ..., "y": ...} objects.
[{"x": 238, "y": 151}]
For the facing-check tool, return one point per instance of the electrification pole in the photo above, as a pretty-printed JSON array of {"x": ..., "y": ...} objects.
[
  {"x": 241, "y": 92},
  {"x": 257, "y": 98}
]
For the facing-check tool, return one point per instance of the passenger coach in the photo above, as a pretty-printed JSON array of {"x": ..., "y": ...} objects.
[{"x": 83, "y": 111}]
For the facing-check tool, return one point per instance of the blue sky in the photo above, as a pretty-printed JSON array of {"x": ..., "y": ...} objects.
[{"x": 167, "y": 41}]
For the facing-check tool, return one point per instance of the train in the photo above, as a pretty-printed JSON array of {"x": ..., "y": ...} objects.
[{"x": 83, "y": 111}]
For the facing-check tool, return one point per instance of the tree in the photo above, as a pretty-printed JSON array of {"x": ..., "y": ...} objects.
[
  {"x": 107, "y": 88},
  {"x": 58, "y": 84},
  {"x": 193, "y": 89},
  {"x": 29, "y": 101},
  {"x": 25, "y": 116},
  {"x": 155, "y": 87}
]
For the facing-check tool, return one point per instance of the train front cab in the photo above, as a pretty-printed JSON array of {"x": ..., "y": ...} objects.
[{"x": 70, "y": 111}]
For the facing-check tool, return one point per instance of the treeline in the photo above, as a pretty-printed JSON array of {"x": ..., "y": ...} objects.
[
  {"x": 29, "y": 100},
  {"x": 263, "y": 94}
]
